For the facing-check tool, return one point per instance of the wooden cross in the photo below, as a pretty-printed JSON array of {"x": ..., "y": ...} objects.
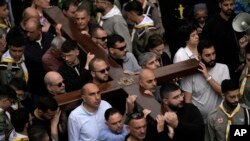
[{"x": 121, "y": 83}]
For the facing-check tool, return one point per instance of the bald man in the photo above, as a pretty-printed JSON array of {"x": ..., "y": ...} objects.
[
  {"x": 54, "y": 83},
  {"x": 33, "y": 29},
  {"x": 29, "y": 12},
  {"x": 148, "y": 83},
  {"x": 99, "y": 70},
  {"x": 36, "y": 44},
  {"x": 87, "y": 120}
]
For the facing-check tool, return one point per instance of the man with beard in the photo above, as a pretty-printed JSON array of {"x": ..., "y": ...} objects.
[
  {"x": 220, "y": 32},
  {"x": 204, "y": 89},
  {"x": 229, "y": 112},
  {"x": 117, "y": 48},
  {"x": 112, "y": 20},
  {"x": 179, "y": 121},
  {"x": 99, "y": 70},
  {"x": 99, "y": 36}
]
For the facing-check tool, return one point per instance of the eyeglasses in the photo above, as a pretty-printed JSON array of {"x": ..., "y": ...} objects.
[
  {"x": 60, "y": 84},
  {"x": 102, "y": 38},
  {"x": 121, "y": 48},
  {"x": 181, "y": 95},
  {"x": 104, "y": 70}
]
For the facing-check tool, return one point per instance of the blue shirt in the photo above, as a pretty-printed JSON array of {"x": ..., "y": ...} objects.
[
  {"x": 85, "y": 126},
  {"x": 107, "y": 135}
]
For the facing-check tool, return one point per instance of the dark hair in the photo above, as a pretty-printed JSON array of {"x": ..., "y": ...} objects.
[
  {"x": 113, "y": 39},
  {"x": 66, "y": 4},
  {"x": 19, "y": 118},
  {"x": 228, "y": 85},
  {"x": 47, "y": 103},
  {"x": 15, "y": 37},
  {"x": 134, "y": 6},
  {"x": 168, "y": 88},
  {"x": 2, "y": 3},
  {"x": 185, "y": 31},
  {"x": 19, "y": 84},
  {"x": 219, "y": 1},
  {"x": 109, "y": 112},
  {"x": 7, "y": 92},
  {"x": 84, "y": 6},
  {"x": 68, "y": 46},
  {"x": 154, "y": 41},
  {"x": 37, "y": 132},
  {"x": 204, "y": 44}
]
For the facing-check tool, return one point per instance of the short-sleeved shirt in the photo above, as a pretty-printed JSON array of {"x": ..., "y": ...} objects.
[{"x": 203, "y": 96}]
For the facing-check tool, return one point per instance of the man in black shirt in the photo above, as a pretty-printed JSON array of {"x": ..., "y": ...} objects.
[
  {"x": 73, "y": 71},
  {"x": 219, "y": 30},
  {"x": 47, "y": 115},
  {"x": 180, "y": 121}
]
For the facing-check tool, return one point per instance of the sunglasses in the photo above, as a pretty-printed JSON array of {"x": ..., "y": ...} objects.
[
  {"x": 59, "y": 84},
  {"x": 104, "y": 70},
  {"x": 102, "y": 38},
  {"x": 121, "y": 48},
  {"x": 135, "y": 116}
]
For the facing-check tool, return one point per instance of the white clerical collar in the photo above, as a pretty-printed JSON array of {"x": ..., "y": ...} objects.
[{"x": 39, "y": 41}]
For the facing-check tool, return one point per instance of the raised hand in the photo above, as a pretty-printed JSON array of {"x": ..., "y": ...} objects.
[
  {"x": 172, "y": 119},
  {"x": 160, "y": 123}
]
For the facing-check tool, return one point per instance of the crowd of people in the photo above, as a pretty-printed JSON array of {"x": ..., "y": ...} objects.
[{"x": 39, "y": 61}]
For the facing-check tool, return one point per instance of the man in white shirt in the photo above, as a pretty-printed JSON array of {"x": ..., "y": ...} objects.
[
  {"x": 204, "y": 89},
  {"x": 87, "y": 120}
]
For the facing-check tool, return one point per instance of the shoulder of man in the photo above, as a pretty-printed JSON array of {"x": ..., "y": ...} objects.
[
  {"x": 214, "y": 112},
  {"x": 146, "y": 30},
  {"x": 246, "y": 113}
]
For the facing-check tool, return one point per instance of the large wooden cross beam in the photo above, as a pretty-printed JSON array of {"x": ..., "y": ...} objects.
[{"x": 120, "y": 81}]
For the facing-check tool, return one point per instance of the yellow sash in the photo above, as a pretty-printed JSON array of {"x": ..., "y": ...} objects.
[
  {"x": 229, "y": 116},
  {"x": 8, "y": 59},
  {"x": 243, "y": 83}
]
